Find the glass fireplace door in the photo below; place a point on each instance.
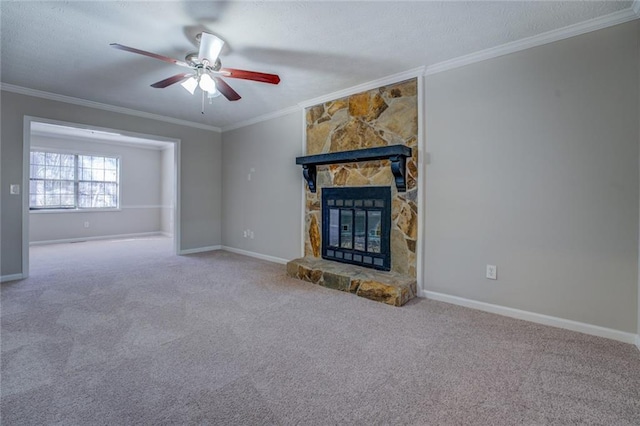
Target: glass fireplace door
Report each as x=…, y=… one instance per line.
x=356, y=226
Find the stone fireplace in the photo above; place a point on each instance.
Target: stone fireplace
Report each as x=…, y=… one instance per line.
x=379, y=120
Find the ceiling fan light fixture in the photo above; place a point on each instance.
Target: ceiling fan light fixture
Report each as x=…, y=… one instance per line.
x=214, y=94
x=190, y=84
x=207, y=84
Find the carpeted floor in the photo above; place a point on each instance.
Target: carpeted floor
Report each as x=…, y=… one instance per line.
x=124, y=332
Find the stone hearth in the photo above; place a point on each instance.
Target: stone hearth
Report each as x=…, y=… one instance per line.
x=391, y=288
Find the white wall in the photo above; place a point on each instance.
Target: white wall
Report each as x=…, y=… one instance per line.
x=534, y=168
x=167, y=191
x=270, y=203
x=200, y=174
x=140, y=195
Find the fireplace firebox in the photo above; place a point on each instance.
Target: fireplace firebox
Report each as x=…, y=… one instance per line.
x=356, y=223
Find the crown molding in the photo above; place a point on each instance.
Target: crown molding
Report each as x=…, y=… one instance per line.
x=394, y=78
x=106, y=107
x=620, y=17
x=261, y=118
x=595, y=24
x=416, y=72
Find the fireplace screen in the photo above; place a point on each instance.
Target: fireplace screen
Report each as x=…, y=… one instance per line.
x=355, y=225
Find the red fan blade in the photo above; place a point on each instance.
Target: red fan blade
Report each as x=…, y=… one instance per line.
x=171, y=80
x=149, y=54
x=251, y=75
x=226, y=90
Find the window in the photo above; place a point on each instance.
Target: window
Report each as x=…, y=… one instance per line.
x=72, y=181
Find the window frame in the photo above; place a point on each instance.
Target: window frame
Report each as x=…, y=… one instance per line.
x=77, y=154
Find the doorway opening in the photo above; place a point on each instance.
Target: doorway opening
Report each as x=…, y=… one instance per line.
x=84, y=183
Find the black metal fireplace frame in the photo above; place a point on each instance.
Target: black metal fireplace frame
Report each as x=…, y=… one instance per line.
x=358, y=196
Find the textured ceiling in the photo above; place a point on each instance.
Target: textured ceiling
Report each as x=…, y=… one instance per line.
x=316, y=47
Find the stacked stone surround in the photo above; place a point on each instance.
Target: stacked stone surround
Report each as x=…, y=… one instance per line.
x=384, y=116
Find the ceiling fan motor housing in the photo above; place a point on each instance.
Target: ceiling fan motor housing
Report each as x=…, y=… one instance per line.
x=192, y=60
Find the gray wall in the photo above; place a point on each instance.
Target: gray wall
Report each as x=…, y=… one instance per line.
x=534, y=168
x=200, y=175
x=140, y=195
x=270, y=203
x=167, y=191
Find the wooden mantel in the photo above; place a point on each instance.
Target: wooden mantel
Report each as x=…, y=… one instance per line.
x=396, y=154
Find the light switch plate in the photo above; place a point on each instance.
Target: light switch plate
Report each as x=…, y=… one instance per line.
x=14, y=189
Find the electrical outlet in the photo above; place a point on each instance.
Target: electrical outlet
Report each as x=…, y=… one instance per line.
x=244, y=233
x=86, y=224
x=492, y=272
x=251, y=234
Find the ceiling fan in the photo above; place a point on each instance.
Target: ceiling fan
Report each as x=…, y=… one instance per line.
x=206, y=70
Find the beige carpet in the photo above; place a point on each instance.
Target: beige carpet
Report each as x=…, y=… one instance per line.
x=124, y=332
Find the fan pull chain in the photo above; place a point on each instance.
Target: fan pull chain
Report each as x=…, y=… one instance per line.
x=202, y=102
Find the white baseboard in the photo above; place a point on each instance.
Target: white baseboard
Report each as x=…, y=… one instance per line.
x=13, y=277
x=199, y=250
x=581, y=327
x=96, y=238
x=256, y=255
x=638, y=341
x=167, y=234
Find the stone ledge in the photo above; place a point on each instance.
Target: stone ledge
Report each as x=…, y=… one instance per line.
x=391, y=288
